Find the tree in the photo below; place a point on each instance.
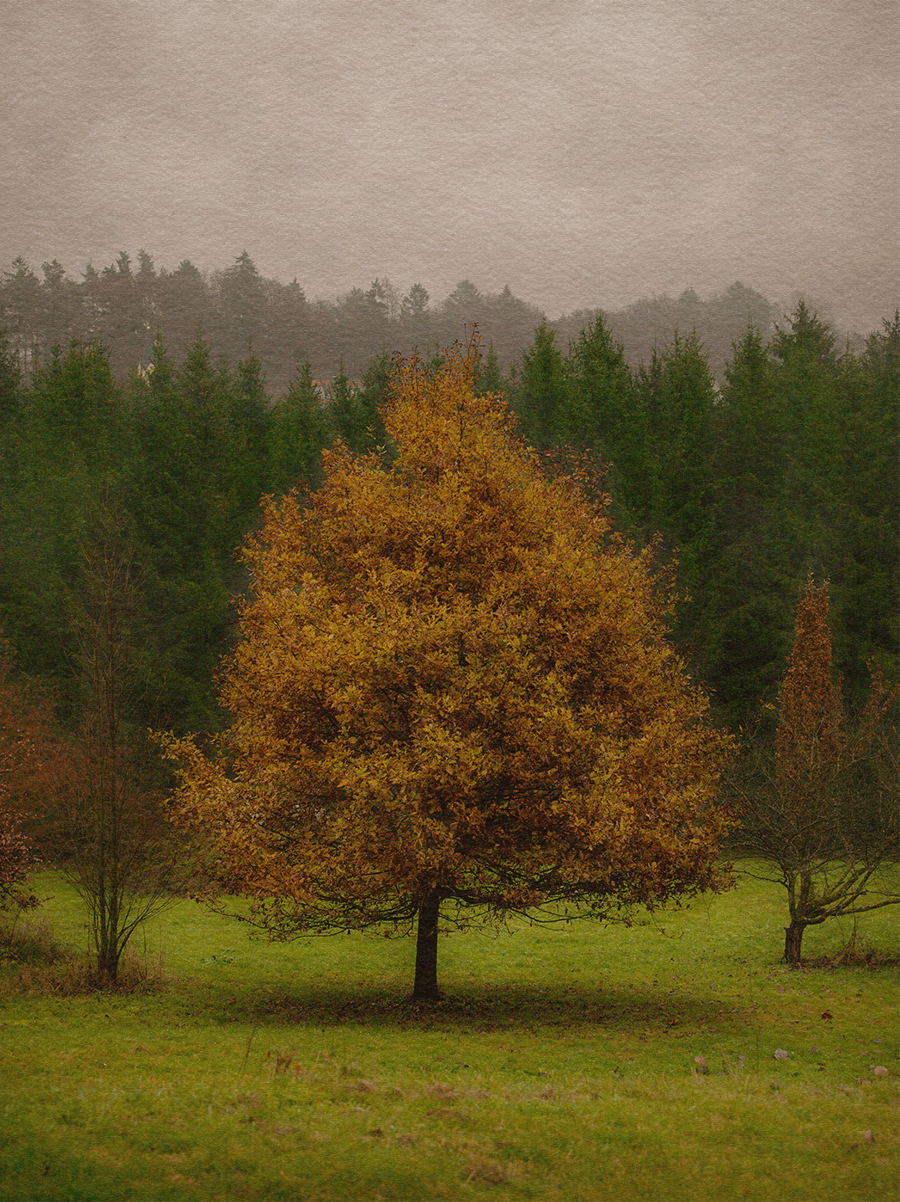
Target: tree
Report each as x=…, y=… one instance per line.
x=111, y=836
x=748, y=590
x=362, y=325
x=186, y=304
x=20, y=297
x=679, y=415
x=415, y=303
x=299, y=432
x=16, y=861
x=185, y=513
x=10, y=389
x=123, y=327
x=865, y=512
x=250, y=418
x=243, y=314
x=540, y=390
x=825, y=837
x=507, y=324
x=347, y=413
x=289, y=322
x=60, y=306
x=452, y=697
x=68, y=445
x=601, y=415
x=667, y=482
x=76, y=408
x=807, y=381
x=601, y=404
x=488, y=376
x=369, y=399
x=29, y=763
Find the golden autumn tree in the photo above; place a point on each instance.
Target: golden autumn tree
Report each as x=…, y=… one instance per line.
x=452, y=697
x=825, y=813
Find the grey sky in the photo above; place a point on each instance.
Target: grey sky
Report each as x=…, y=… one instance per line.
x=586, y=152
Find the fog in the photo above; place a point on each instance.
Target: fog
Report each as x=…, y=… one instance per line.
x=585, y=152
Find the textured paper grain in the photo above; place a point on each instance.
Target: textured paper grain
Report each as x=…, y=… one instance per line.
x=586, y=152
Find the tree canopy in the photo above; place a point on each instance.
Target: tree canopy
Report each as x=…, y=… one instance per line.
x=451, y=692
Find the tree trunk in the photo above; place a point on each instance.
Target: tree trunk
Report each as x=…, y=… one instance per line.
x=108, y=967
x=425, y=987
x=793, y=937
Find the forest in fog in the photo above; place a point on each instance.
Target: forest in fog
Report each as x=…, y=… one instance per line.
x=127, y=304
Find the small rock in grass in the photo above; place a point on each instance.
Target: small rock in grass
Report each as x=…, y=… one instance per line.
x=868, y=1137
x=879, y=1070
x=780, y=1054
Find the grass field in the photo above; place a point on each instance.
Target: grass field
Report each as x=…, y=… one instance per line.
x=561, y=1066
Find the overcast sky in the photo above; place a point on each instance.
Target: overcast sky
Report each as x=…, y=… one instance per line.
x=586, y=152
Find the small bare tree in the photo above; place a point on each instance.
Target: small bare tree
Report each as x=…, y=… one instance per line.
x=115, y=847
x=822, y=806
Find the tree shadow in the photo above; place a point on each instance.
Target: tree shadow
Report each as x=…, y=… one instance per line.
x=481, y=1008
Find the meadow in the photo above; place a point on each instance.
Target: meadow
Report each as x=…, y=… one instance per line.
x=675, y=1059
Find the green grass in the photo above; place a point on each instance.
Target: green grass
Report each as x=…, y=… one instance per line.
x=561, y=1066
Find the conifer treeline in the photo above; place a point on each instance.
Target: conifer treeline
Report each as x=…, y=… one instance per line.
x=125, y=306
x=786, y=466
x=789, y=467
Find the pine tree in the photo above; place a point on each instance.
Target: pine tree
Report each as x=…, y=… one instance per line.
x=865, y=511
x=300, y=431
x=250, y=419
x=746, y=602
x=601, y=405
x=539, y=391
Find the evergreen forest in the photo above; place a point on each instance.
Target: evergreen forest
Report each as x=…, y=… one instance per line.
x=153, y=409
